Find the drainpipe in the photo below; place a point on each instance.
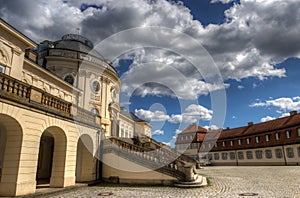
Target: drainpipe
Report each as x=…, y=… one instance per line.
x=236, y=158
x=284, y=155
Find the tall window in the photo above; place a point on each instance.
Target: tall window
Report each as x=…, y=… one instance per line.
x=267, y=137
x=240, y=142
x=216, y=144
x=258, y=154
x=277, y=136
x=257, y=139
x=249, y=155
x=298, y=151
x=290, y=152
x=241, y=155
x=298, y=131
x=231, y=142
x=248, y=140
x=288, y=134
x=216, y=156
x=223, y=143
x=268, y=154
x=278, y=153
x=224, y=156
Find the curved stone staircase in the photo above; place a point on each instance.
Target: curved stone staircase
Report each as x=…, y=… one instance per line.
x=165, y=161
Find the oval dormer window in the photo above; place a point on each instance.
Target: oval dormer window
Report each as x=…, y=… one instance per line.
x=96, y=86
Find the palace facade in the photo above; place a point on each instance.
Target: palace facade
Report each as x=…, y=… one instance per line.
x=61, y=123
x=276, y=142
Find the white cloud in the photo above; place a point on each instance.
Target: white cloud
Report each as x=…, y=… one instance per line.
x=240, y=87
x=178, y=131
x=212, y=127
x=285, y=104
x=285, y=115
x=191, y=114
x=156, y=116
x=255, y=37
x=267, y=118
x=158, y=132
x=221, y=1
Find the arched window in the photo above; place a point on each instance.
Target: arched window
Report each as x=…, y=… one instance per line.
x=69, y=79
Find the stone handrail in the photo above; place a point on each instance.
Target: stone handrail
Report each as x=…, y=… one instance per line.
x=18, y=91
x=153, y=159
x=12, y=88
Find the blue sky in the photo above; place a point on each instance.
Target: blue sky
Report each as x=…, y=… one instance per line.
x=252, y=45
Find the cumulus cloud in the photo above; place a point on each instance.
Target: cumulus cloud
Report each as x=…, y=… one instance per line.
x=240, y=87
x=191, y=114
x=267, y=118
x=158, y=132
x=221, y=1
x=285, y=104
x=156, y=116
x=212, y=127
x=255, y=36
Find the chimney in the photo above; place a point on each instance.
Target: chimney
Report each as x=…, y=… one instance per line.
x=250, y=123
x=293, y=113
x=227, y=128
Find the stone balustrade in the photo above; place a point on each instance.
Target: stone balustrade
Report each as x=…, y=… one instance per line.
x=14, y=90
x=159, y=159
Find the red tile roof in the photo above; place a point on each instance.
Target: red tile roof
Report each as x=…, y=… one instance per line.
x=272, y=125
x=194, y=128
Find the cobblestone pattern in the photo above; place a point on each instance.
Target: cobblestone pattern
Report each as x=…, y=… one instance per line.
x=269, y=182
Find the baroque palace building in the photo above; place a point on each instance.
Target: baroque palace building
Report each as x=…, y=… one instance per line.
x=275, y=142
x=61, y=123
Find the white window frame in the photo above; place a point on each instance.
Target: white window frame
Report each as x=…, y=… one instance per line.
x=223, y=144
x=231, y=142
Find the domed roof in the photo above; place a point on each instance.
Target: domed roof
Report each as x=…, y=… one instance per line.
x=79, y=43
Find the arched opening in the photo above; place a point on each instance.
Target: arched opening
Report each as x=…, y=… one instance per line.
x=11, y=136
x=45, y=158
x=52, y=158
x=85, y=160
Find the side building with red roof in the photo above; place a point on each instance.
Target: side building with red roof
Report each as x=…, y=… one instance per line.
x=275, y=142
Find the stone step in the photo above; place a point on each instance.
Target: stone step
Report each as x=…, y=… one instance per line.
x=200, y=182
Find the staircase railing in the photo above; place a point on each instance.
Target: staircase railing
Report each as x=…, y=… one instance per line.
x=159, y=160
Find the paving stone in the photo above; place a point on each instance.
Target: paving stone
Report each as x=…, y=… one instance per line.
x=275, y=181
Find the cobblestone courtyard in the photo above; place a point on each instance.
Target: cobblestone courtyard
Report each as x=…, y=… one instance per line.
x=225, y=182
